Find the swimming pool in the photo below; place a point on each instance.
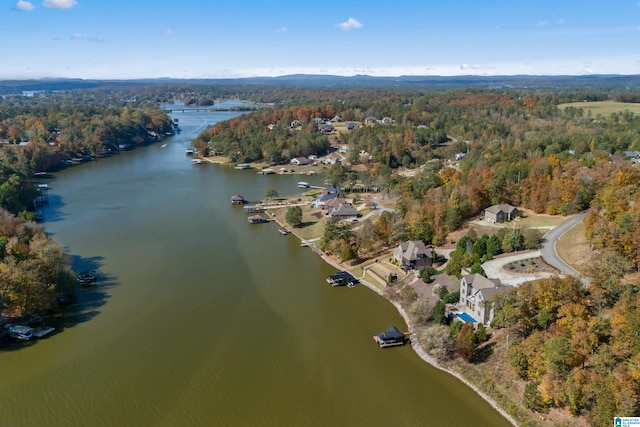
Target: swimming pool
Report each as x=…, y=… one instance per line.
x=466, y=318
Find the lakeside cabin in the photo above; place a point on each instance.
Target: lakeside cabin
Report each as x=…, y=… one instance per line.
x=391, y=338
x=342, y=278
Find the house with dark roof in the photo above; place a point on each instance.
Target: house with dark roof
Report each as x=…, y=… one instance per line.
x=390, y=338
x=413, y=255
x=475, y=294
x=370, y=120
x=318, y=121
x=295, y=124
x=326, y=128
x=500, y=213
x=352, y=126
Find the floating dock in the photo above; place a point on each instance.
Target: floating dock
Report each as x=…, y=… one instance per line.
x=39, y=333
x=254, y=209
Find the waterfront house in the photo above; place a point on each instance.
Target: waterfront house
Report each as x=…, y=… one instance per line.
x=352, y=126
x=327, y=194
x=336, y=119
x=344, y=211
x=318, y=121
x=386, y=120
x=370, y=120
x=300, y=161
x=475, y=294
x=331, y=204
x=238, y=200
x=413, y=255
x=500, y=213
x=295, y=124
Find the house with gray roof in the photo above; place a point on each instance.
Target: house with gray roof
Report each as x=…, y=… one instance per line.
x=413, y=255
x=344, y=211
x=500, y=213
x=476, y=292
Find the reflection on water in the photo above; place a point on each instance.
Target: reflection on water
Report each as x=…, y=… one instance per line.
x=200, y=319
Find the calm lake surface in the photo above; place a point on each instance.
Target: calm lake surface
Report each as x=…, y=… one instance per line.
x=201, y=319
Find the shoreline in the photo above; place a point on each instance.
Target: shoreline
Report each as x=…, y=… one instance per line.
x=412, y=328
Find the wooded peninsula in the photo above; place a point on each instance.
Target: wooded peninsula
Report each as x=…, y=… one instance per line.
x=568, y=354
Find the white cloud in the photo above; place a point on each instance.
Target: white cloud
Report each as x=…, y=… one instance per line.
x=24, y=5
x=542, y=23
x=469, y=67
x=59, y=4
x=168, y=32
x=79, y=36
x=560, y=21
x=350, y=24
x=281, y=30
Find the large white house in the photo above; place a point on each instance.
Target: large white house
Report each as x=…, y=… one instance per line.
x=475, y=292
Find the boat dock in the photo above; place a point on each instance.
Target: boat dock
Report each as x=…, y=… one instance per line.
x=391, y=338
x=256, y=219
x=254, y=209
x=39, y=333
x=342, y=278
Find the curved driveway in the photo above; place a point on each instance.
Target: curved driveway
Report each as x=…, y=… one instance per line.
x=548, y=246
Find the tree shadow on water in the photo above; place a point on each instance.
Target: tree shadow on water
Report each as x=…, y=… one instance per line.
x=83, y=305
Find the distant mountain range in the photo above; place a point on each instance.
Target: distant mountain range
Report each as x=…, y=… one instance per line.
x=601, y=81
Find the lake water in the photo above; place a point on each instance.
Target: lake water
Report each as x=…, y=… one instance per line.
x=199, y=318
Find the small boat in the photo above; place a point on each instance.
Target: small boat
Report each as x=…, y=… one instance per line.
x=87, y=277
x=163, y=145
x=189, y=151
x=283, y=231
x=20, y=332
x=196, y=161
x=303, y=184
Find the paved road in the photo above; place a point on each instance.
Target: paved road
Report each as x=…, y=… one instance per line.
x=548, y=246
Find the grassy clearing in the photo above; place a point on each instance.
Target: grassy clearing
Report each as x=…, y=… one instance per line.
x=540, y=221
x=573, y=248
x=605, y=108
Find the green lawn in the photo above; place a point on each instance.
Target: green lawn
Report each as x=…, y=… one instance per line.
x=540, y=221
x=605, y=108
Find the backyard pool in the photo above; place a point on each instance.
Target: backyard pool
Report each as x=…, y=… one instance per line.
x=466, y=318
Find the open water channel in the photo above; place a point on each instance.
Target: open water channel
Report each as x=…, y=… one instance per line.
x=199, y=318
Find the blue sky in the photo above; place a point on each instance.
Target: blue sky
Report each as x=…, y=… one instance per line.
x=119, y=39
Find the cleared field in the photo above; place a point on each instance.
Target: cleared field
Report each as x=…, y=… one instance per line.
x=573, y=248
x=605, y=108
